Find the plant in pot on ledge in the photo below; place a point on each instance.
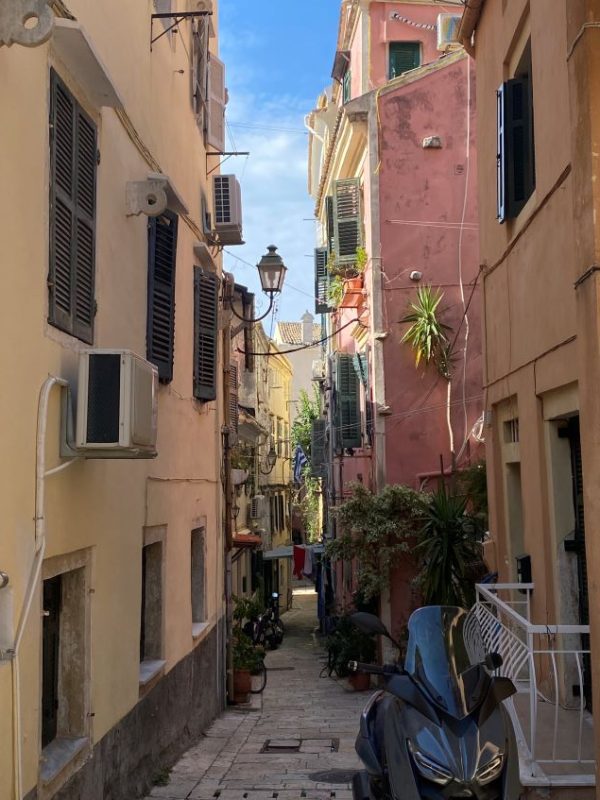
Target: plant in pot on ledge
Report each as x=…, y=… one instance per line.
x=247, y=659
x=346, y=644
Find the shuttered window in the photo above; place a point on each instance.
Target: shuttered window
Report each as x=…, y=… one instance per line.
x=73, y=160
x=321, y=281
x=233, y=398
x=403, y=57
x=318, y=450
x=162, y=256
x=516, y=154
x=329, y=224
x=347, y=220
x=206, y=303
x=348, y=416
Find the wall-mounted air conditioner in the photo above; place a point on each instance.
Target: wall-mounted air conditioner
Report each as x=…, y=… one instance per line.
x=227, y=216
x=318, y=370
x=117, y=405
x=447, y=32
x=257, y=506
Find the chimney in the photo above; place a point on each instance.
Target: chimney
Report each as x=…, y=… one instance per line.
x=307, y=328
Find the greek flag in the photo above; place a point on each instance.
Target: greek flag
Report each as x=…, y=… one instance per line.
x=299, y=462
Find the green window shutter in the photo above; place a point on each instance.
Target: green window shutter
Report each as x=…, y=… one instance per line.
x=318, y=448
x=347, y=220
x=519, y=161
x=321, y=281
x=403, y=57
x=206, y=304
x=348, y=402
x=162, y=257
x=73, y=164
x=329, y=221
x=347, y=87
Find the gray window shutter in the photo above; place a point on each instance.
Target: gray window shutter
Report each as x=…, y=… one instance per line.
x=318, y=448
x=348, y=403
x=206, y=304
x=73, y=160
x=347, y=220
x=162, y=257
x=199, y=71
x=321, y=281
x=518, y=144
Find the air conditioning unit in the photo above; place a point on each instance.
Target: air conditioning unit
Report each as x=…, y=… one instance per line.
x=117, y=405
x=318, y=370
x=447, y=32
x=227, y=217
x=257, y=506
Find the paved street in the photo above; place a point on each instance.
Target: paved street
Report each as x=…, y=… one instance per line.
x=316, y=715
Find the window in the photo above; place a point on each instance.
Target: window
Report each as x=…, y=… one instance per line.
x=403, y=56
x=281, y=514
x=162, y=255
x=516, y=154
x=206, y=304
x=198, y=576
x=151, y=623
x=347, y=220
x=347, y=87
x=348, y=427
x=73, y=163
x=280, y=441
x=200, y=35
x=65, y=657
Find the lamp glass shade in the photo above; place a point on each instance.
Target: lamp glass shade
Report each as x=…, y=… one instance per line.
x=271, y=270
x=271, y=457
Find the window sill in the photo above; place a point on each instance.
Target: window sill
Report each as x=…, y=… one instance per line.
x=149, y=670
x=59, y=754
x=199, y=628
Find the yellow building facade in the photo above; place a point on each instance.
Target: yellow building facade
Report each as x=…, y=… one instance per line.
x=112, y=612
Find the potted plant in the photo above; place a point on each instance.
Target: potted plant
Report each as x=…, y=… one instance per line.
x=352, y=293
x=246, y=660
x=346, y=644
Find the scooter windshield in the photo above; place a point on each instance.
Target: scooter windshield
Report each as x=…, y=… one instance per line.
x=444, y=655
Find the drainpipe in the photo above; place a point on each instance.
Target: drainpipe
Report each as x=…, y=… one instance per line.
x=468, y=23
x=40, y=546
x=227, y=491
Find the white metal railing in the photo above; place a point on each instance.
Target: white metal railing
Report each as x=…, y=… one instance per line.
x=547, y=663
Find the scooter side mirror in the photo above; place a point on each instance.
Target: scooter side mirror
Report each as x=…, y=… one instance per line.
x=369, y=623
x=493, y=661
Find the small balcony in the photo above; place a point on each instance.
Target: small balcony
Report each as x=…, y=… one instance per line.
x=549, y=665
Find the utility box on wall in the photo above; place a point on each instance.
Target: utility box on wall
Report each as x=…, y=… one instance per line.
x=117, y=405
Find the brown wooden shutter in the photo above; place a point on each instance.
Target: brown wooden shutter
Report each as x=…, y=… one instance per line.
x=73, y=160
x=206, y=303
x=162, y=257
x=233, y=397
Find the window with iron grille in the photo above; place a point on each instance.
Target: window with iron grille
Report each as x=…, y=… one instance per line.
x=73, y=164
x=162, y=257
x=206, y=306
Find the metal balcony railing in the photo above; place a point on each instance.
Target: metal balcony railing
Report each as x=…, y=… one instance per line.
x=550, y=666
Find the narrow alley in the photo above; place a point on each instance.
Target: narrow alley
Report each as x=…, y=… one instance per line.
x=297, y=742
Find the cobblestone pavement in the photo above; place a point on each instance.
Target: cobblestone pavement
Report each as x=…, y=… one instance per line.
x=297, y=707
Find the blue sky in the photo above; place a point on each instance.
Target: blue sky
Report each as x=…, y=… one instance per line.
x=278, y=58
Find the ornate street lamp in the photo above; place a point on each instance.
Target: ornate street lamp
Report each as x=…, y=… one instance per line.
x=271, y=271
x=270, y=460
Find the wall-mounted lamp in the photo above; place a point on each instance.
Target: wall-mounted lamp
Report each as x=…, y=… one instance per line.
x=270, y=460
x=271, y=271
x=235, y=511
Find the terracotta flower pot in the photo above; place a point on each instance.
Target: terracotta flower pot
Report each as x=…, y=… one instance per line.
x=353, y=293
x=242, y=683
x=360, y=681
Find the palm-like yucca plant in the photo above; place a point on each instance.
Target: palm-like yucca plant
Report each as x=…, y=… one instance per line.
x=426, y=334
x=450, y=542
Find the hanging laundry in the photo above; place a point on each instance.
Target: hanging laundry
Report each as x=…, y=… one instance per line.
x=299, y=558
x=308, y=562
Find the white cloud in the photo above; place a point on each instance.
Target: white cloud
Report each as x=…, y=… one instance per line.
x=275, y=199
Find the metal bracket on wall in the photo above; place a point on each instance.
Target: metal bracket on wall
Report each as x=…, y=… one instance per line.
x=228, y=153
x=178, y=16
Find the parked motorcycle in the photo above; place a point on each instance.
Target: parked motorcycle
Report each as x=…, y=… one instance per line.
x=438, y=730
x=267, y=628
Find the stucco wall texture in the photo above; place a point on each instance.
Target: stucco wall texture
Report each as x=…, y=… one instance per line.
x=104, y=506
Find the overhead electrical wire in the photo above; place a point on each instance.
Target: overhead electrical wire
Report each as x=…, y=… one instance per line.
x=304, y=346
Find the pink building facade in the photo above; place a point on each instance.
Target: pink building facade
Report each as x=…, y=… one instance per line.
x=396, y=136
